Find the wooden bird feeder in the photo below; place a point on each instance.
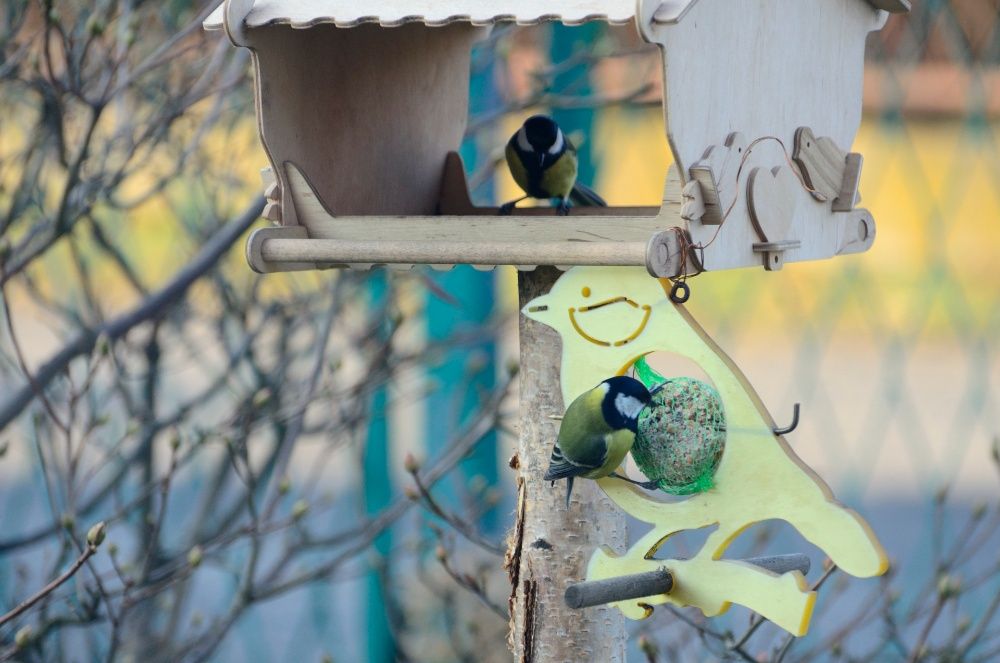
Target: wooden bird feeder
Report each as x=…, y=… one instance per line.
x=361, y=106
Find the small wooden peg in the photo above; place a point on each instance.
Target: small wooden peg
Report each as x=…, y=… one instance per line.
x=272, y=211
x=774, y=252
x=661, y=581
x=693, y=207
x=598, y=592
x=663, y=255
x=717, y=172
x=848, y=196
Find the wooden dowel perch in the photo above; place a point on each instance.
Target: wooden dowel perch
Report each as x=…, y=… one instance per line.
x=270, y=248
x=661, y=581
x=334, y=251
x=599, y=592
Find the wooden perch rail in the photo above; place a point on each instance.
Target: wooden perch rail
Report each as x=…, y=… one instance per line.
x=461, y=233
x=661, y=581
x=280, y=249
x=332, y=251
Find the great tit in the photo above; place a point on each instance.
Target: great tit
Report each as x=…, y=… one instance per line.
x=597, y=431
x=543, y=162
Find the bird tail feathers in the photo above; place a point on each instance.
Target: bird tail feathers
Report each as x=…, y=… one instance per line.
x=584, y=196
x=560, y=467
x=562, y=470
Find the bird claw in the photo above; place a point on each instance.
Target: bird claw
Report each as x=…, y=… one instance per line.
x=645, y=485
x=562, y=209
x=507, y=208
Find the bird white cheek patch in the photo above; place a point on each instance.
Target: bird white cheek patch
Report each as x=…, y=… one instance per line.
x=628, y=406
x=758, y=478
x=558, y=143
x=522, y=140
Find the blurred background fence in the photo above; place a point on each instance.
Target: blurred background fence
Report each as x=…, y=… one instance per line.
x=892, y=354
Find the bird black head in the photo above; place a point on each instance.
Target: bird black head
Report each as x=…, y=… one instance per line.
x=623, y=401
x=542, y=136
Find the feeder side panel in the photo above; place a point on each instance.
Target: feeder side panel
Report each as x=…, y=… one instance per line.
x=368, y=113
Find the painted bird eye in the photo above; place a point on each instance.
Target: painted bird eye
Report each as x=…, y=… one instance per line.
x=585, y=292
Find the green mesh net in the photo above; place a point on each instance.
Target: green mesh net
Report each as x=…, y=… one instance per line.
x=681, y=433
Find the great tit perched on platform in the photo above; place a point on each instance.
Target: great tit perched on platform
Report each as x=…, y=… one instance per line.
x=543, y=162
x=597, y=431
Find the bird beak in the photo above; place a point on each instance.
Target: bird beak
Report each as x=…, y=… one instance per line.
x=541, y=160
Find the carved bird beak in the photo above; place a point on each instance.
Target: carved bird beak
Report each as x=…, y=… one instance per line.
x=538, y=309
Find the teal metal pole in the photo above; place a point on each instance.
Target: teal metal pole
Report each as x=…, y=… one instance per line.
x=466, y=373
x=377, y=495
x=565, y=42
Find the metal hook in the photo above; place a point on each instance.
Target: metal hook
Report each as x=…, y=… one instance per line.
x=792, y=426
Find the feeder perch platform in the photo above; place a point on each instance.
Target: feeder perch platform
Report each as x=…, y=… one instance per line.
x=361, y=107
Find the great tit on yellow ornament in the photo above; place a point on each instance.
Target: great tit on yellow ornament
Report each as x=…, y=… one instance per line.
x=597, y=431
x=543, y=162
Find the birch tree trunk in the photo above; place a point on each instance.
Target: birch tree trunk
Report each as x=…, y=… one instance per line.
x=550, y=547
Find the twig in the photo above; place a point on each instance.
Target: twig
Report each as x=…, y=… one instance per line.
x=94, y=539
x=463, y=528
x=151, y=308
x=469, y=583
x=918, y=648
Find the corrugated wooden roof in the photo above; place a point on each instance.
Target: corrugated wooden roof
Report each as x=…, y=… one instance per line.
x=349, y=13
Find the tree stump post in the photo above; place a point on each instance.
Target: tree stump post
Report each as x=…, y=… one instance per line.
x=550, y=546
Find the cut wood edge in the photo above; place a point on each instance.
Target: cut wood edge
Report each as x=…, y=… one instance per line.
x=848, y=196
x=234, y=14
x=774, y=252
x=821, y=162
x=891, y=6
x=454, y=200
x=857, y=231
x=255, y=254
x=671, y=11
x=272, y=211
x=663, y=255
x=454, y=197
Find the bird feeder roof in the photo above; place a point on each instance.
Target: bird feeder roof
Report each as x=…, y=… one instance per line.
x=389, y=13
